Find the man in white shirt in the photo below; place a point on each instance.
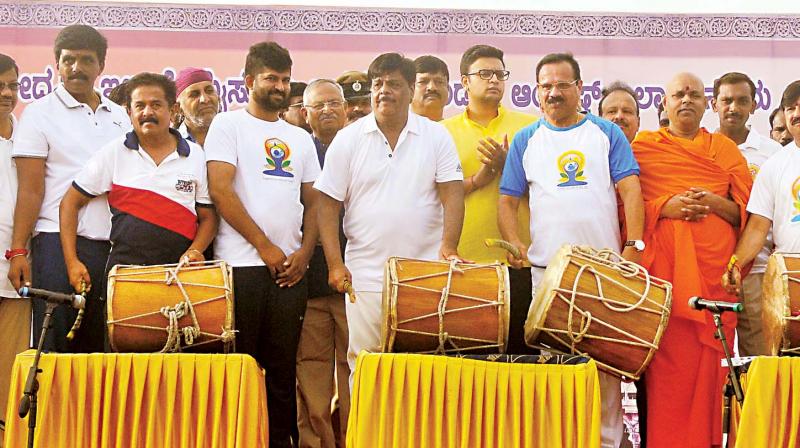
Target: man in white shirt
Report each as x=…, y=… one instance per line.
x=57, y=135
x=260, y=172
x=398, y=177
x=774, y=199
x=15, y=313
x=735, y=101
x=568, y=164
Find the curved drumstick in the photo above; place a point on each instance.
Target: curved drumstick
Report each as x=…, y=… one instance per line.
x=503, y=244
x=348, y=288
x=79, y=319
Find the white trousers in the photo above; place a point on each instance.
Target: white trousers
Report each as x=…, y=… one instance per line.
x=364, y=324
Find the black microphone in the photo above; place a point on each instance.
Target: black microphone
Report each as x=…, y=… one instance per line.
x=76, y=301
x=714, y=306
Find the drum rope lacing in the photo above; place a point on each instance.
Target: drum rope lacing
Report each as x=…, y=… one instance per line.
x=443, y=336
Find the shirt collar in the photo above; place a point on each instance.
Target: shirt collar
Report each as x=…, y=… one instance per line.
x=132, y=142
x=13, y=129
x=412, y=125
x=71, y=102
x=184, y=131
x=501, y=112
x=753, y=139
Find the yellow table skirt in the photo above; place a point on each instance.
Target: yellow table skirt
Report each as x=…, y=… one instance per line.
x=142, y=400
x=770, y=416
x=411, y=400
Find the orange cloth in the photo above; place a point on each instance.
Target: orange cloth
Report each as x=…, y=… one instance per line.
x=684, y=380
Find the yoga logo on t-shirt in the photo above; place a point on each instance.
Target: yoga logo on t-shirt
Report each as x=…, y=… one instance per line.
x=570, y=165
x=278, y=158
x=753, y=169
x=796, y=199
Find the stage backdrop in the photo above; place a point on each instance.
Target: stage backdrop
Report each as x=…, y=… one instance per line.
x=642, y=50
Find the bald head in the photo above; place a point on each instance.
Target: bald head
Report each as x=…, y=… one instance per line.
x=685, y=104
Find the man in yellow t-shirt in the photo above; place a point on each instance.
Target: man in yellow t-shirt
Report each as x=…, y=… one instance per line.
x=481, y=135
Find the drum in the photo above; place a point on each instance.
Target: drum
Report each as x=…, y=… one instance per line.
x=444, y=307
x=171, y=307
x=596, y=304
x=780, y=311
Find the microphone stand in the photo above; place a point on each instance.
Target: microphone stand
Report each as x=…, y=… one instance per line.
x=29, y=403
x=734, y=386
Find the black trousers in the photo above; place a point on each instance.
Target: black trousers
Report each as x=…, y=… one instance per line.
x=268, y=321
x=521, y=287
x=50, y=272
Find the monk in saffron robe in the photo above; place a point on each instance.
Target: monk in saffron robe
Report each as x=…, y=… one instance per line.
x=695, y=186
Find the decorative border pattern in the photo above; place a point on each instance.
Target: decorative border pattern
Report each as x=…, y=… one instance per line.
x=395, y=21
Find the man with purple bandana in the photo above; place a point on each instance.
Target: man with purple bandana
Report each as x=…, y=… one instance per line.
x=199, y=103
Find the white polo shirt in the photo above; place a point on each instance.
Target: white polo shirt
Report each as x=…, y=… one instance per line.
x=68, y=133
x=391, y=203
x=8, y=198
x=272, y=160
x=757, y=149
x=776, y=196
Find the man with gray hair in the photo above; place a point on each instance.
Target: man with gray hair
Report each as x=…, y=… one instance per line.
x=199, y=103
x=323, y=339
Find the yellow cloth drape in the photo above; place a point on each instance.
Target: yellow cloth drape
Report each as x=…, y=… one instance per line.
x=142, y=400
x=412, y=400
x=770, y=416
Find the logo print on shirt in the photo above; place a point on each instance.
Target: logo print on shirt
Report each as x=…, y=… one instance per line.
x=571, y=165
x=185, y=186
x=753, y=169
x=278, y=158
x=796, y=199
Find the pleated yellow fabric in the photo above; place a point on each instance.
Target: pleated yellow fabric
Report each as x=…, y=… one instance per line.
x=125, y=400
x=770, y=416
x=412, y=400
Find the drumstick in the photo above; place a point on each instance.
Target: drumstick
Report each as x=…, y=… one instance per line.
x=502, y=244
x=348, y=288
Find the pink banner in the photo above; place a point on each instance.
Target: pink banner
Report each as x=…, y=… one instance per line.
x=642, y=50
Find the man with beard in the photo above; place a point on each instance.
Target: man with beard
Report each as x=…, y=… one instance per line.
x=323, y=340
x=481, y=135
x=430, y=89
x=156, y=185
x=568, y=164
x=695, y=186
x=735, y=101
x=778, y=129
x=356, y=93
x=57, y=135
x=293, y=114
x=399, y=176
x=260, y=172
x=199, y=103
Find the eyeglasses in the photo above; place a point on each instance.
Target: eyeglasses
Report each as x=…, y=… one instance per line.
x=561, y=86
x=296, y=105
x=487, y=74
x=332, y=104
x=13, y=86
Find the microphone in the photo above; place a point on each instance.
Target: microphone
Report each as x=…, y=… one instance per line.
x=76, y=301
x=714, y=306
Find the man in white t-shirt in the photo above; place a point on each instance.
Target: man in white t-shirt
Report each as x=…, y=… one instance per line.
x=15, y=313
x=568, y=164
x=57, y=134
x=398, y=176
x=774, y=201
x=260, y=172
x=735, y=101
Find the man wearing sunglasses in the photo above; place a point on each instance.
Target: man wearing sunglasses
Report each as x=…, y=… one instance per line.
x=568, y=164
x=481, y=134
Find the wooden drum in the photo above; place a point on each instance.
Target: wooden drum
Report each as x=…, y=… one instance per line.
x=171, y=307
x=594, y=303
x=442, y=307
x=780, y=310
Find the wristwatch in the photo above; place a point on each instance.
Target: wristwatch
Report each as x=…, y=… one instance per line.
x=636, y=244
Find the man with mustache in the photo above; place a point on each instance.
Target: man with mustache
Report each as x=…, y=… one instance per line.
x=481, y=134
x=399, y=176
x=695, y=186
x=156, y=185
x=260, y=173
x=778, y=129
x=57, y=135
x=323, y=340
x=356, y=93
x=199, y=103
x=568, y=165
x=430, y=89
x=618, y=105
x=735, y=101
x=293, y=114
x=14, y=312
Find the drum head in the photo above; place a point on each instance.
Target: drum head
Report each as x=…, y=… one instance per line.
x=545, y=292
x=775, y=290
